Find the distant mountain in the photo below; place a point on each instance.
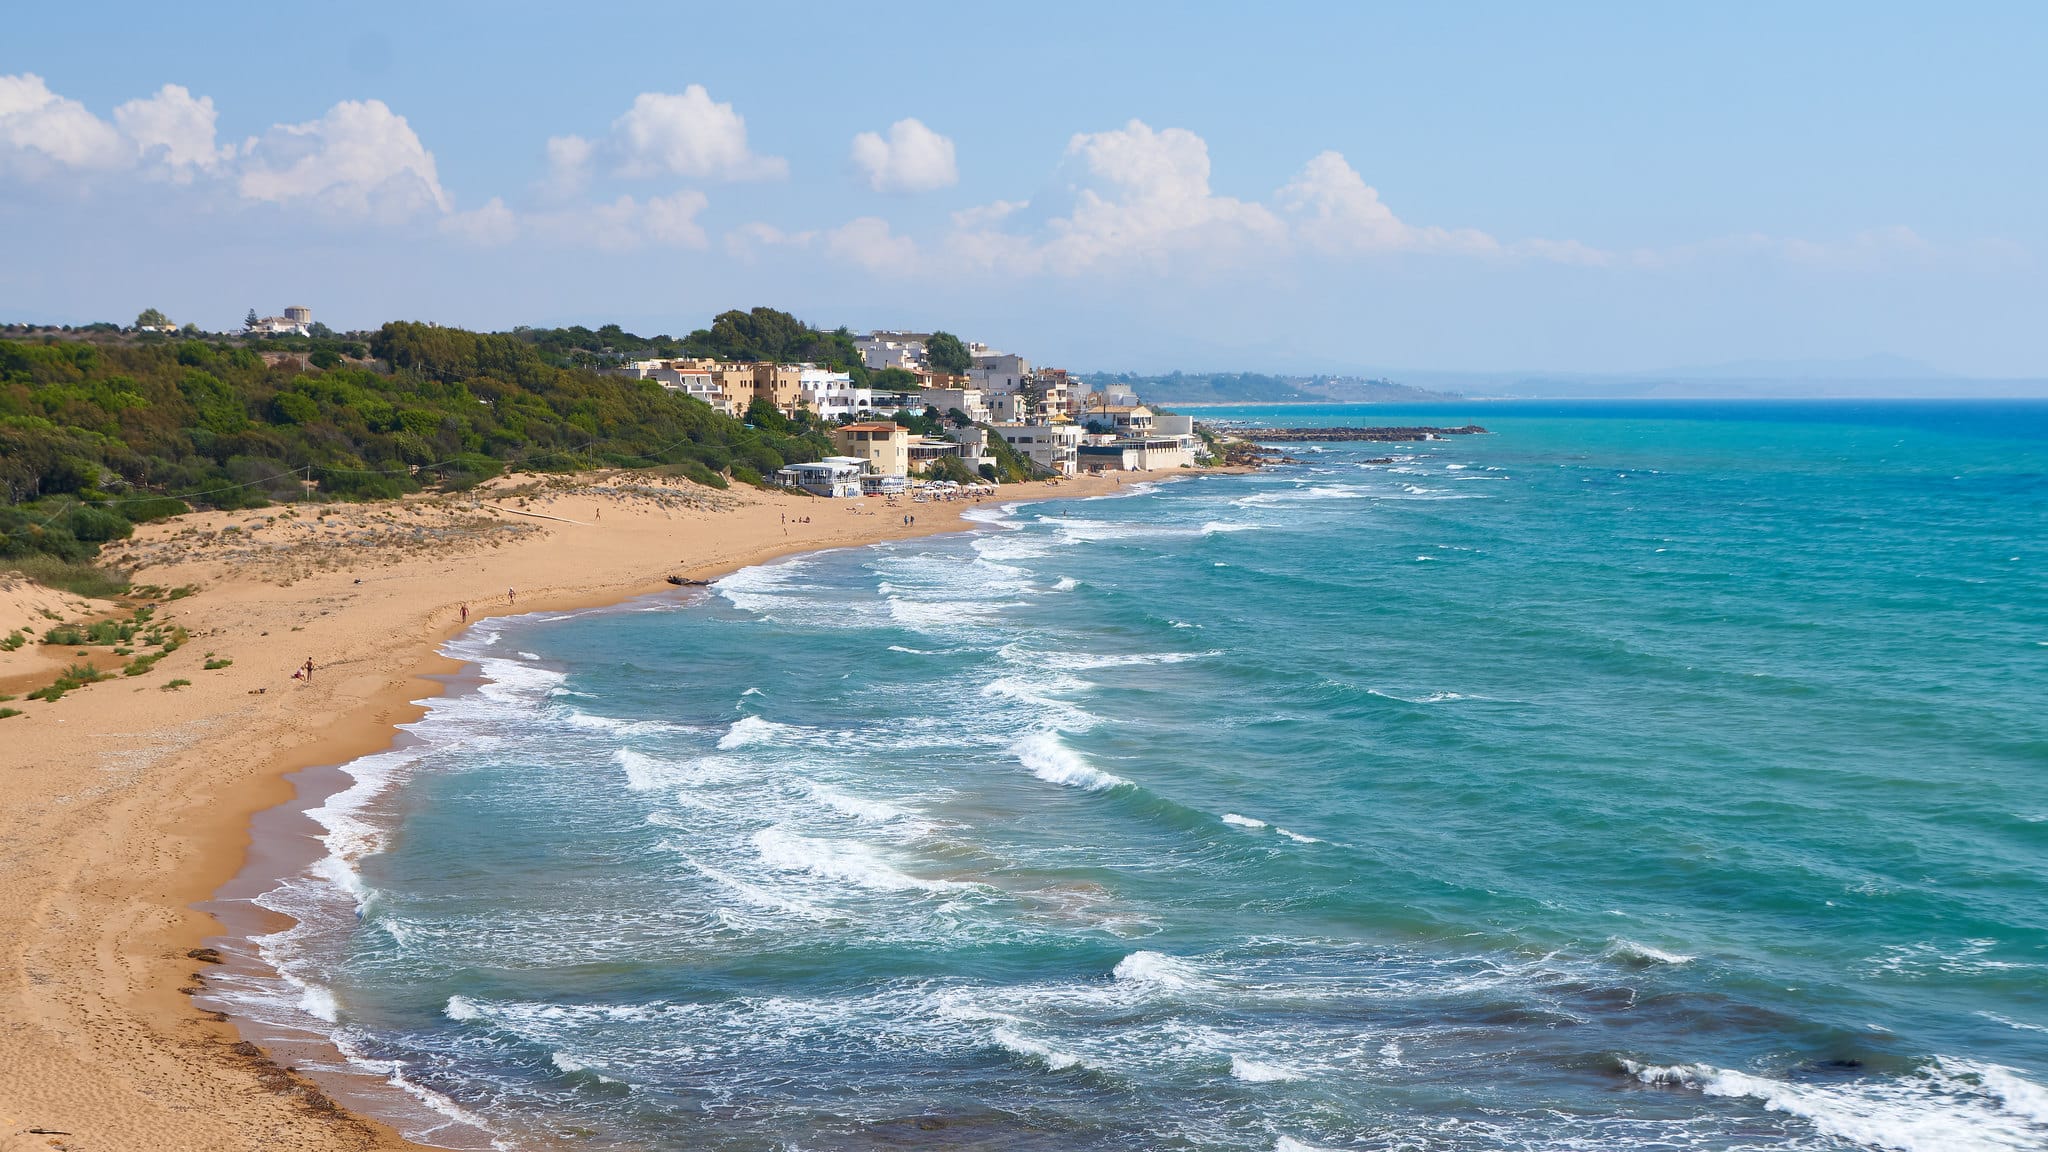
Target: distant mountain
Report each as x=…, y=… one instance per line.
x=1257, y=388
x=1875, y=367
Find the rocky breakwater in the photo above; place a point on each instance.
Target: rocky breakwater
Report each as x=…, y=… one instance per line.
x=1376, y=435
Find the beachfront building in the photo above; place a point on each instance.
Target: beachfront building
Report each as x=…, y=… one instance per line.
x=1135, y=454
x=1051, y=446
x=885, y=446
x=973, y=442
x=833, y=477
x=1131, y=420
x=924, y=451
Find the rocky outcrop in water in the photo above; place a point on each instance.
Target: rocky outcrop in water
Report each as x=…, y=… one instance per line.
x=1377, y=435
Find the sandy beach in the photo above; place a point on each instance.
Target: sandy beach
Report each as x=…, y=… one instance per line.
x=127, y=802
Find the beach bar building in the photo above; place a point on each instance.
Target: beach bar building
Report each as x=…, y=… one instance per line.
x=833, y=477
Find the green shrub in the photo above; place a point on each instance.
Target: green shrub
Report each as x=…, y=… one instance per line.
x=175, y=684
x=7, y=712
x=217, y=665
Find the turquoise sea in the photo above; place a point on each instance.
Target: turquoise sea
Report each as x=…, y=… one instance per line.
x=1635, y=776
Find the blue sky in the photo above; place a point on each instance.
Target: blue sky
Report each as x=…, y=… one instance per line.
x=1291, y=186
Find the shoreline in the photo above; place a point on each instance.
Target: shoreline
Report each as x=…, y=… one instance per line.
x=115, y=874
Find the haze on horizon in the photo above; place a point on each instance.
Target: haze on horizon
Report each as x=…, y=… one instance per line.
x=1597, y=189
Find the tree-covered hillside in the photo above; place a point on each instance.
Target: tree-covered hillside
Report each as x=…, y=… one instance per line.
x=97, y=436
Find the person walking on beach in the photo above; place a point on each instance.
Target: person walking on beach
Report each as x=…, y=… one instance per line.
x=511, y=596
x=465, y=613
x=308, y=669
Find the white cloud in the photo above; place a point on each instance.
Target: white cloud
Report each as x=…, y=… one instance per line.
x=489, y=226
x=1143, y=196
x=169, y=134
x=869, y=242
x=1332, y=208
x=983, y=215
x=913, y=158
x=672, y=221
x=746, y=241
x=41, y=131
x=568, y=165
x=621, y=225
x=173, y=132
x=686, y=134
x=360, y=158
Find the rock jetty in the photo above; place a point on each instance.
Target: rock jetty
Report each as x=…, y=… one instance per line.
x=1377, y=435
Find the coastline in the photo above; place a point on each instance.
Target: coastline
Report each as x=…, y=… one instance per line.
x=134, y=806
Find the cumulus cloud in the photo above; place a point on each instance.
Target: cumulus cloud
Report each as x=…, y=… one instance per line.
x=361, y=158
x=1138, y=196
x=912, y=158
x=170, y=134
x=1332, y=208
x=173, y=132
x=687, y=134
x=42, y=130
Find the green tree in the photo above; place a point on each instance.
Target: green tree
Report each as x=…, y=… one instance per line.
x=894, y=380
x=151, y=318
x=945, y=353
x=251, y=320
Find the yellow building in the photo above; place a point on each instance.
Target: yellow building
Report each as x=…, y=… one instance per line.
x=886, y=447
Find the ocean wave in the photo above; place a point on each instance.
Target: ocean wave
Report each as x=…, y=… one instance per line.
x=1066, y=584
x=1051, y=1057
x=645, y=773
x=1221, y=527
x=1054, y=762
x=846, y=861
x=1947, y=1106
x=1257, y=1072
x=1632, y=952
x=750, y=730
x=1297, y=837
x=1242, y=821
x=1157, y=970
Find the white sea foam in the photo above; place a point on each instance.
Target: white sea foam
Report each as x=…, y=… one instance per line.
x=750, y=730
x=1290, y=1144
x=1630, y=951
x=858, y=807
x=1159, y=971
x=1052, y=1058
x=1066, y=584
x=1054, y=762
x=1084, y=661
x=845, y=861
x=1220, y=527
x=1297, y=837
x=645, y=773
x=1242, y=821
x=1255, y=1072
x=1948, y=1106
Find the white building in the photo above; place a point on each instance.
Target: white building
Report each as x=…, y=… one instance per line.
x=995, y=372
x=879, y=350
x=689, y=377
x=1137, y=454
x=1053, y=447
x=832, y=477
x=833, y=395
x=970, y=402
x=296, y=321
